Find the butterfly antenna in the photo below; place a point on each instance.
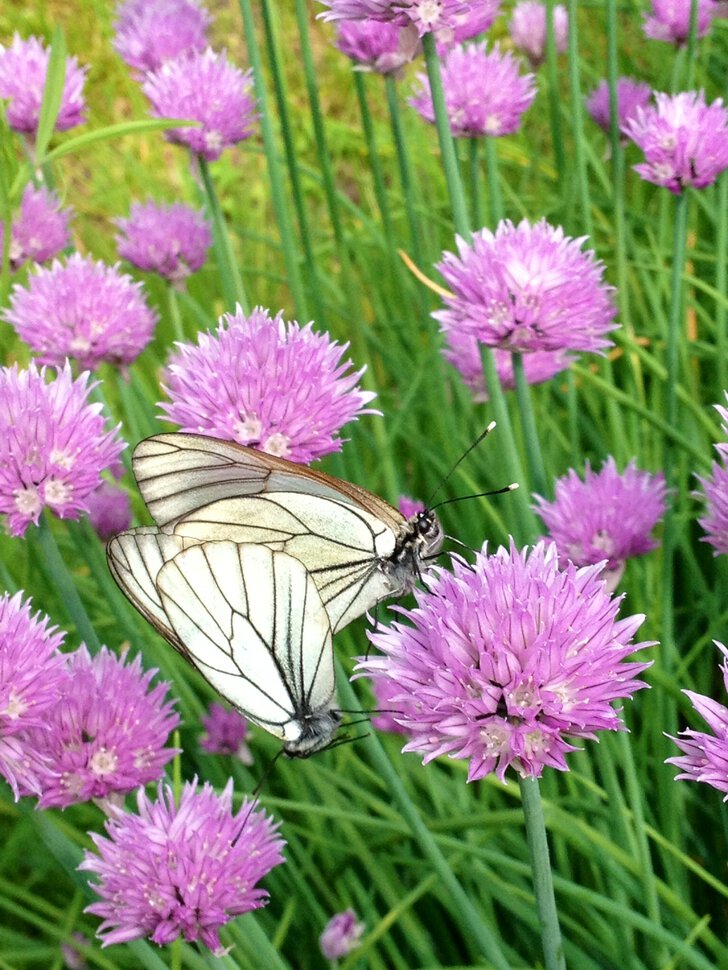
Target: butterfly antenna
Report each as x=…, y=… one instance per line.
x=483, y=434
x=461, y=498
x=255, y=795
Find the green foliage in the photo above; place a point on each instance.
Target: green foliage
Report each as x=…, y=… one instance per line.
x=311, y=216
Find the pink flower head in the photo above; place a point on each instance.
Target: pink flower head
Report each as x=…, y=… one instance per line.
x=40, y=229
x=373, y=46
x=485, y=92
x=685, y=141
x=207, y=88
x=106, y=735
x=475, y=21
x=705, y=756
x=670, y=19
x=109, y=510
x=265, y=383
x=225, y=733
x=505, y=662
x=715, y=492
x=56, y=459
x=529, y=32
x=181, y=870
x=150, y=32
x=32, y=673
x=526, y=288
x=426, y=16
x=171, y=240
x=464, y=353
x=23, y=69
x=341, y=935
x=606, y=516
x=631, y=95
x=387, y=710
x=81, y=309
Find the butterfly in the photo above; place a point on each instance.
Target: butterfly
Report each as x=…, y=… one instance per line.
x=254, y=563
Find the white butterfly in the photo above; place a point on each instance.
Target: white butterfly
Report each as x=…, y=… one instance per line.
x=255, y=562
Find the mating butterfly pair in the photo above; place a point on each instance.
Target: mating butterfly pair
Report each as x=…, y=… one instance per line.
x=254, y=563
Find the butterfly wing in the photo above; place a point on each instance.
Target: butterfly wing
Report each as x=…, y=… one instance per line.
x=211, y=490
x=253, y=624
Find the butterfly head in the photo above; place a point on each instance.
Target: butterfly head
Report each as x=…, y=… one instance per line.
x=315, y=731
x=427, y=533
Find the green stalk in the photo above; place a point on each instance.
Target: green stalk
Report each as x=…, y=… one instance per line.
x=380, y=190
x=405, y=170
x=481, y=934
x=476, y=175
x=553, y=948
x=552, y=72
x=444, y=136
x=532, y=443
x=174, y=313
x=496, y=197
x=294, y=175
x=577, y=114
x=721, y=281
x=671, y=415
x=59, y=575
x=278, y=195
x=232, y=283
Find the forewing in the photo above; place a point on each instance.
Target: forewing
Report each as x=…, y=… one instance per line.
x=179, y=474
x=135, y=559
x=253, y=623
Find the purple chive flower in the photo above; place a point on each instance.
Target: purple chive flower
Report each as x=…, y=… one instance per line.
x=265, y=383
x=670, y=20
x=171, y=240
x=109, y=510
x=106, y=735
x=373, y=46
x=528, y=30
x=526, y=288
x=54, y=461
x=150, y=32
x=426, y=16
x=504, y=663
x=606, y=516
x=181, y=870
x=463, y=352
x=470, y=23
x=388, y=710
x=40, y=229
x=631, y=95
x=225, y=733
x=715, y=492
x=705, y=756
x=32, y=673
x=23, y=69
x=685, y=141
x=81, y=309
x=485, y=92
x=207, y=88
x=341, y=935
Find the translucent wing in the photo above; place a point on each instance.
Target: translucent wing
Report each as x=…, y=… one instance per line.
x=179, y=474
x=211, y=490
x=253, y=623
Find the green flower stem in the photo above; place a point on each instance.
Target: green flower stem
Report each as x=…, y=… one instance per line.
x=174, y=313
x=287, y=128
x=444, y=136
x=278, y=195
x=721, y=281
x=476, y=176
x=552, y=72
x=59, y=575
x=528, y=525
x=672, y=363
x=380, y=190
x=553, y=949
x=577, y=115
x=232, y=283
x=528, y=425
x=496, y=198
x=481, y=934
x=405, y=170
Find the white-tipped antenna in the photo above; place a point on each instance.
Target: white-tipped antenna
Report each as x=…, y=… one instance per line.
x=481, y=436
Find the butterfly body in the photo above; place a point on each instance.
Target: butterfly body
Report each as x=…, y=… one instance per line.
x=253, y=564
